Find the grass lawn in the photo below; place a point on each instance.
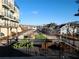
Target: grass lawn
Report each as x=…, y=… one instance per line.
x=40, y=36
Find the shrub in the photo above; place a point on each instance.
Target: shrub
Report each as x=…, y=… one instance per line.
x=23, y=43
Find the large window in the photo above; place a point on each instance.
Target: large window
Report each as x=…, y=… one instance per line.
x=7, y=13
x=10, y=14
x=5, y=10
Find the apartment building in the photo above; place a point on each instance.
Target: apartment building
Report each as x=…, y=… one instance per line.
x=9, y=17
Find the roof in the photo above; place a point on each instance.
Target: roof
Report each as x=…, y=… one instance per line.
x=75, y=23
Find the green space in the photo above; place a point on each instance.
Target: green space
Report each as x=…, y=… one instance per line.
x=40, y=36
x=26, y=43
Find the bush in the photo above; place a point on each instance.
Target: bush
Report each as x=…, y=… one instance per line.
x=23, y=43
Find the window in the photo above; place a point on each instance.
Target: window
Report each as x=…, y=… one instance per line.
x=9, y=23
x=5, y=11
x=2, y=22
x=8, y=13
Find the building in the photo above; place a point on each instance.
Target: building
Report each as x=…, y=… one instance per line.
x=9, y=17
x=69, y=34
x=70, y=28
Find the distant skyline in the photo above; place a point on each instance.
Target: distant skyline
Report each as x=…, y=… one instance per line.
x=38, y=12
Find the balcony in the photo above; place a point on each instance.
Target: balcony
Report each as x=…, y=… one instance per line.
x=12, y=25
x=9, y=6
x=8, y=25
x=3, y=25
x=7, y=18
x=15, y=20
x=6, y=5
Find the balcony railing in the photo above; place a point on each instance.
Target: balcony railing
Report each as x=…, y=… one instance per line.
x=6, y=5
x=8, y=25
x=3, y=25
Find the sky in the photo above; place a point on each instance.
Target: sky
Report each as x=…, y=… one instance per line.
x=39, y=12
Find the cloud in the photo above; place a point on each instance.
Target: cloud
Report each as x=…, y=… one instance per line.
x=35, y=12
